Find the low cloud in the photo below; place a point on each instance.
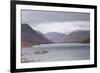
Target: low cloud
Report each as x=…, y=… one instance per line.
x=62, y=27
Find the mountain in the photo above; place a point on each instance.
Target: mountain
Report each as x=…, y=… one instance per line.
x=55, y=36
x=86, y=40
x=31, y=37
x=79, y=36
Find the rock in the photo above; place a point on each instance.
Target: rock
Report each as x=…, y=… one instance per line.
x=40, y=52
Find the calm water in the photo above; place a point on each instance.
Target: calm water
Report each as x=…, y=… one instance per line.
x=56, y=52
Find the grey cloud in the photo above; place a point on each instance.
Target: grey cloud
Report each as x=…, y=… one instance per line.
x=34, y=17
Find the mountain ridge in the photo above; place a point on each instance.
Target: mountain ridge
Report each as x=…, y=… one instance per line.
x=31, y=37
x=78, y=36
x=55, y=36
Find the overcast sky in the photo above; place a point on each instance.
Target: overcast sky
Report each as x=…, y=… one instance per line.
x=52, y=21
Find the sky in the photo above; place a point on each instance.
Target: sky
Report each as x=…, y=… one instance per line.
x=56, y=21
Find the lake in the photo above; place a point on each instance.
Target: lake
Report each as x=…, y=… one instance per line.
x=56, y=52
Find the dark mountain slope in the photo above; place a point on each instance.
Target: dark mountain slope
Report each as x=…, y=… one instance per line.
x=78, y=37
x=31, y=37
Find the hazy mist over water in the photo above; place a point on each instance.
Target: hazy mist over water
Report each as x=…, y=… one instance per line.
x=68, y=53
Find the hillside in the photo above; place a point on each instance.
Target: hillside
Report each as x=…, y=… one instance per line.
x=31, y=37
x=77, y=37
